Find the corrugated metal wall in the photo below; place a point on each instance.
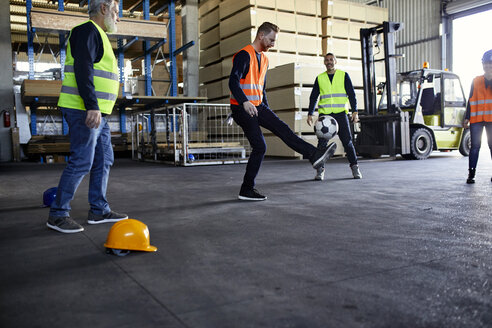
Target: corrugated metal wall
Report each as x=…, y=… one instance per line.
x=419, y=40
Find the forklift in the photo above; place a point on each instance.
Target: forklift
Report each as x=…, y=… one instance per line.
x=418, y=111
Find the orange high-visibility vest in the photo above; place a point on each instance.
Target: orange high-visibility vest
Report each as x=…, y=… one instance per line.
x=254, y=82
x=480, y=102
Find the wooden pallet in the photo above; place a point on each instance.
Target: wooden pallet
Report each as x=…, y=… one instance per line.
x=198, y=145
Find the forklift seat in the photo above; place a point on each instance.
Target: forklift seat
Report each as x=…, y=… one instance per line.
x=427, y=101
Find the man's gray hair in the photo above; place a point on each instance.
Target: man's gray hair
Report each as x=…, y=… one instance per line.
x=95, y=5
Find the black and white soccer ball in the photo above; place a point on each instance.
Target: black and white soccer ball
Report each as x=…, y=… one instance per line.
x=326, y=127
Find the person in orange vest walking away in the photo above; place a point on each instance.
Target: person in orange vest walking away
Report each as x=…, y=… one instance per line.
x=479, y=113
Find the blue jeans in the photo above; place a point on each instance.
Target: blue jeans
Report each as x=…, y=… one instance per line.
x=345, y=137
x=251, y=127
x=476, y=130
x=90, y=151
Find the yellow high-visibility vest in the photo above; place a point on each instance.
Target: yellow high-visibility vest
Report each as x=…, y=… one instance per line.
x=333, y=96
x=106, y=79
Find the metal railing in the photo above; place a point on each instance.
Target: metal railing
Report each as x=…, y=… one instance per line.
x=188, y=134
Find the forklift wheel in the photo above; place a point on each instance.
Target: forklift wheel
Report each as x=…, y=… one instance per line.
x=421, y=144
x=465, y=144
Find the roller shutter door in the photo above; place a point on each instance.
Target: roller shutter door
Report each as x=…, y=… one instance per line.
x=459, y=8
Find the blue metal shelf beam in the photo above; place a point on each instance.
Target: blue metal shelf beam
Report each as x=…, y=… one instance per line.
x=30, y=40
x=127, y=45
x=183, y=48
x=160, y=10
x=147, y=58
x=151, y=49
x=61, y=37
x=122, y=48
x=172, y=48
x=121, y=66
x=136, y=6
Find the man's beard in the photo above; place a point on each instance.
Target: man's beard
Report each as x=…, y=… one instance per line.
x=109, y=23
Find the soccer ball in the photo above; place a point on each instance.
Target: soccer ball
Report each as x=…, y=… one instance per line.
x=326, y=127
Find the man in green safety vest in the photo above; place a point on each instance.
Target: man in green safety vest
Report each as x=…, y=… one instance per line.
x=335, y=90
x=88, y=94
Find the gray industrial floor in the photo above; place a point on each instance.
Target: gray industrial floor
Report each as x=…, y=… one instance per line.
x=409, y=245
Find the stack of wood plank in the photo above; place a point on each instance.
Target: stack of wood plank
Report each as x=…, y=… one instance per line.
x=41, y=90
x=63, y=21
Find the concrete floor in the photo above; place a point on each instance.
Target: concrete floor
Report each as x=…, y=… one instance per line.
x=408, y=246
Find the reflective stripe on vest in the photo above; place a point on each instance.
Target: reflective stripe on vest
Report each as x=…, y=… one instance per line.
x=253, y=83
x=106, y=79
x=97, y=72
x=333, y=96
x=480, y=102
x=99, y=94
x=250, y=98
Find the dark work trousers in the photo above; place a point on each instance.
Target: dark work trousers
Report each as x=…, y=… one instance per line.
x=251, y=127
x=345, y=137
x=476, y=130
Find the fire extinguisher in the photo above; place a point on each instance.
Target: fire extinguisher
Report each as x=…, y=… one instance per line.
x=6, y=118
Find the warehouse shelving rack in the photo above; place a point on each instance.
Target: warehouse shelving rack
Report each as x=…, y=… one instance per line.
x=148, y=49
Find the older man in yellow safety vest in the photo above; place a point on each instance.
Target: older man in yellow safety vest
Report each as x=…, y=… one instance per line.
x=88, y=94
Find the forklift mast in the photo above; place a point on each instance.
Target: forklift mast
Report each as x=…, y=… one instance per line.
x=381, y=133
x=367, y=37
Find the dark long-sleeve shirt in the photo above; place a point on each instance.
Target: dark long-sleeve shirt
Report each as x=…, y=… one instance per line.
x=488, y=84
x=349, y=89
x=240, y=68
x=86, y=48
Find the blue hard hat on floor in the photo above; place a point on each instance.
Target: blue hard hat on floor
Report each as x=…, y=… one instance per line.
x=487, y=56
x=49, y=196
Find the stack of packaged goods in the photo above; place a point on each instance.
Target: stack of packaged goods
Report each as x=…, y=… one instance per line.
x=308, y=30
x=210, y=74
x=341, y=24
x=299, y=40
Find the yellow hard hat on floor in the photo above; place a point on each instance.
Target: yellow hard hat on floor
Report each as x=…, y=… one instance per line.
x=129, y=235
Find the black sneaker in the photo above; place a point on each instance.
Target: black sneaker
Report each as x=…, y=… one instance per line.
x=105, y=218
x=250, y=194
x=64, y=224
x=321, y=156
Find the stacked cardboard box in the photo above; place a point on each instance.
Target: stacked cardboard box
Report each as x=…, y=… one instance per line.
x=298, y=41
x=292, y=84
x=210, y=74
x=341, y=24
x=309, y=29
x=160, y=79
